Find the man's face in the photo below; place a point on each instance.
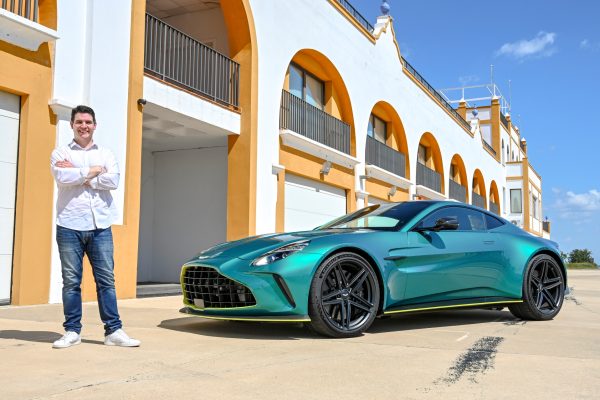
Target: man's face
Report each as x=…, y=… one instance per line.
x=83, y=126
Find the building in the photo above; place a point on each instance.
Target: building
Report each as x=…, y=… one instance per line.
x=227, y=124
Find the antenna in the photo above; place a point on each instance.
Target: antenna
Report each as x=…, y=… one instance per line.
x=509, y=96
x=492, y=79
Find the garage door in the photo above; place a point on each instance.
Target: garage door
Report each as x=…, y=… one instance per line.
x=309, y=204
x=9, y=137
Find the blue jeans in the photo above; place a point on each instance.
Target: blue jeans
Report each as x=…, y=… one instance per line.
x=98, y=245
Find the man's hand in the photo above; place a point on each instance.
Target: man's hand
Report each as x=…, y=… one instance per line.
x=94, y=172
x=64, y=164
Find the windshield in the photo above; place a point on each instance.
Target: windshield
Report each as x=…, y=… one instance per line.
x=386, y=216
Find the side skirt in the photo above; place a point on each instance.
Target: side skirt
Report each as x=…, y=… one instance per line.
x=465, y=303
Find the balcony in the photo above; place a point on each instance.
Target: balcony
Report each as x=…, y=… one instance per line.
x=435, y=94
x=356, y=15
x=489, y=147
x=478, y=200
x=176, y=58
x=495, y=208
x=429, y=178
x=26, y=9
x=385, y=157
x=19, y=24
x=457, y=191
x=298, y=116
x=503, y=120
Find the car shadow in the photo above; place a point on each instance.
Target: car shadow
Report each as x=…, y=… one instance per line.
x=297, y=331
x=39, y=336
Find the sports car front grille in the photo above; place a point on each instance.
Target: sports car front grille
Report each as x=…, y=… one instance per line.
x=206, y=288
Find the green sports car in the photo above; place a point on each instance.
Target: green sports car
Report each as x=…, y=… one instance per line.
x=380, y=260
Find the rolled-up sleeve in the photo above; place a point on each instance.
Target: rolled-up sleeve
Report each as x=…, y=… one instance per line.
x=108, y=180
x=66, y=176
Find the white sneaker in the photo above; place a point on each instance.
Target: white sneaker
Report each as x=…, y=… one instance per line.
x=120, y=338
x=69, y=339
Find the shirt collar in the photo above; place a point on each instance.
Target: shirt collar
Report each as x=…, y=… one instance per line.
x=74, y=146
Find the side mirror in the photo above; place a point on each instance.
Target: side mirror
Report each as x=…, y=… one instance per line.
x=442, y=224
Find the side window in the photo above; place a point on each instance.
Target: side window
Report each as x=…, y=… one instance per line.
x=476, y=220
x=466, y=220
x=492, y=222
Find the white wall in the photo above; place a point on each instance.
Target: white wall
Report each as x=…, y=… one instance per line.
x=204, y=26
x=183, y=209
x=92, y=68
x=371, y=72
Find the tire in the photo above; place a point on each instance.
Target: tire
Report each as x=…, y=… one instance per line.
x=344, y=296
x=543, y=290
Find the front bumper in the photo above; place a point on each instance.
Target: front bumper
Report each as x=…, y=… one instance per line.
x=279, y=290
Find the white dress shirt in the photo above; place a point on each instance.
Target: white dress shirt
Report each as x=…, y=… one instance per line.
x=79, y=206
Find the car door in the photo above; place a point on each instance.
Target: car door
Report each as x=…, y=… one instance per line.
x=451, y=264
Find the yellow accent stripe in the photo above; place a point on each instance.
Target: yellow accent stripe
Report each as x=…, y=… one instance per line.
x=452, y=306
x=250, y=320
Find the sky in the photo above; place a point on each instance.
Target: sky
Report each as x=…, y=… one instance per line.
x=550, y=52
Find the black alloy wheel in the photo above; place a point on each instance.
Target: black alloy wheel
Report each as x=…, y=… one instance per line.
x=344, y=296
x=543, y=290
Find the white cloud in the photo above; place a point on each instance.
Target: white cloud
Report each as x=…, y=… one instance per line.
x=585, y=44
x=577, y=207
x=541, y=46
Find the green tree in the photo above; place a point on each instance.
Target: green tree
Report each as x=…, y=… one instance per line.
x=581, y=256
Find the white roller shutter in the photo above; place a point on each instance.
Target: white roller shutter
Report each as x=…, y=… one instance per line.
x=309, y=203
x=9, y=137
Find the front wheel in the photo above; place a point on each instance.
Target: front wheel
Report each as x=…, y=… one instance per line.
x=543, y=290
x=344, y=296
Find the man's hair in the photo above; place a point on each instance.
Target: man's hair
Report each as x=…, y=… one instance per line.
x=83, y=110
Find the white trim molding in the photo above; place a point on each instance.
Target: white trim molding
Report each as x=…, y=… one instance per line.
x=312, y=147
x=23, y=32
x=61, y=108
x=429, y=193
x=373, y=171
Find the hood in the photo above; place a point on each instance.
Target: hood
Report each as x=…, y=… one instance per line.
x=255, y=246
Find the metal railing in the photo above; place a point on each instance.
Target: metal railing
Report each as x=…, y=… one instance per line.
x=488, y=146
x=175, y=57
x=457, y=191
x=503, y=120
x=385, y=157
x=478, y=200
x=429, y=178
x=435, y=94
x=307, y=120
x=357, y=16
x=24, y=8
x=495, y=208
x=546, y=226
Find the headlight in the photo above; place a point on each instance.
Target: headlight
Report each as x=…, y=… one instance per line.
x=280, y=253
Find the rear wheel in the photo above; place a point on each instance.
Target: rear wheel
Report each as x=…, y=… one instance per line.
x=543, y=290
x=344, y=296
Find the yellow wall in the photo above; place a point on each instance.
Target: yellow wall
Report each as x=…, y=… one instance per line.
x=29, y=75
x=241, y=160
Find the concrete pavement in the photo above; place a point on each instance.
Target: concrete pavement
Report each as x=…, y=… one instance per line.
x=468, y=354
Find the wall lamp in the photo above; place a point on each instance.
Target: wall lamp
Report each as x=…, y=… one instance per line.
x=392, y=191
x=326, y=167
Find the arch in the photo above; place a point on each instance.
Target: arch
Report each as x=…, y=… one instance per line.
x=433, y=157
x=457, y=167
x=336, y=97
x=241, y=160
x=396, y=135
x=47, y=13
x=494, y=195
x=478, y=186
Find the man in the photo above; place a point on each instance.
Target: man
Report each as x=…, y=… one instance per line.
x=85, y=173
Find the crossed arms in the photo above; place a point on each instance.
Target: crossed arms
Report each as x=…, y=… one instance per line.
x=97, y=177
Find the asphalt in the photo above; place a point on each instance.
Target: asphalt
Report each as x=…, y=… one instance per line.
x=468, y=354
